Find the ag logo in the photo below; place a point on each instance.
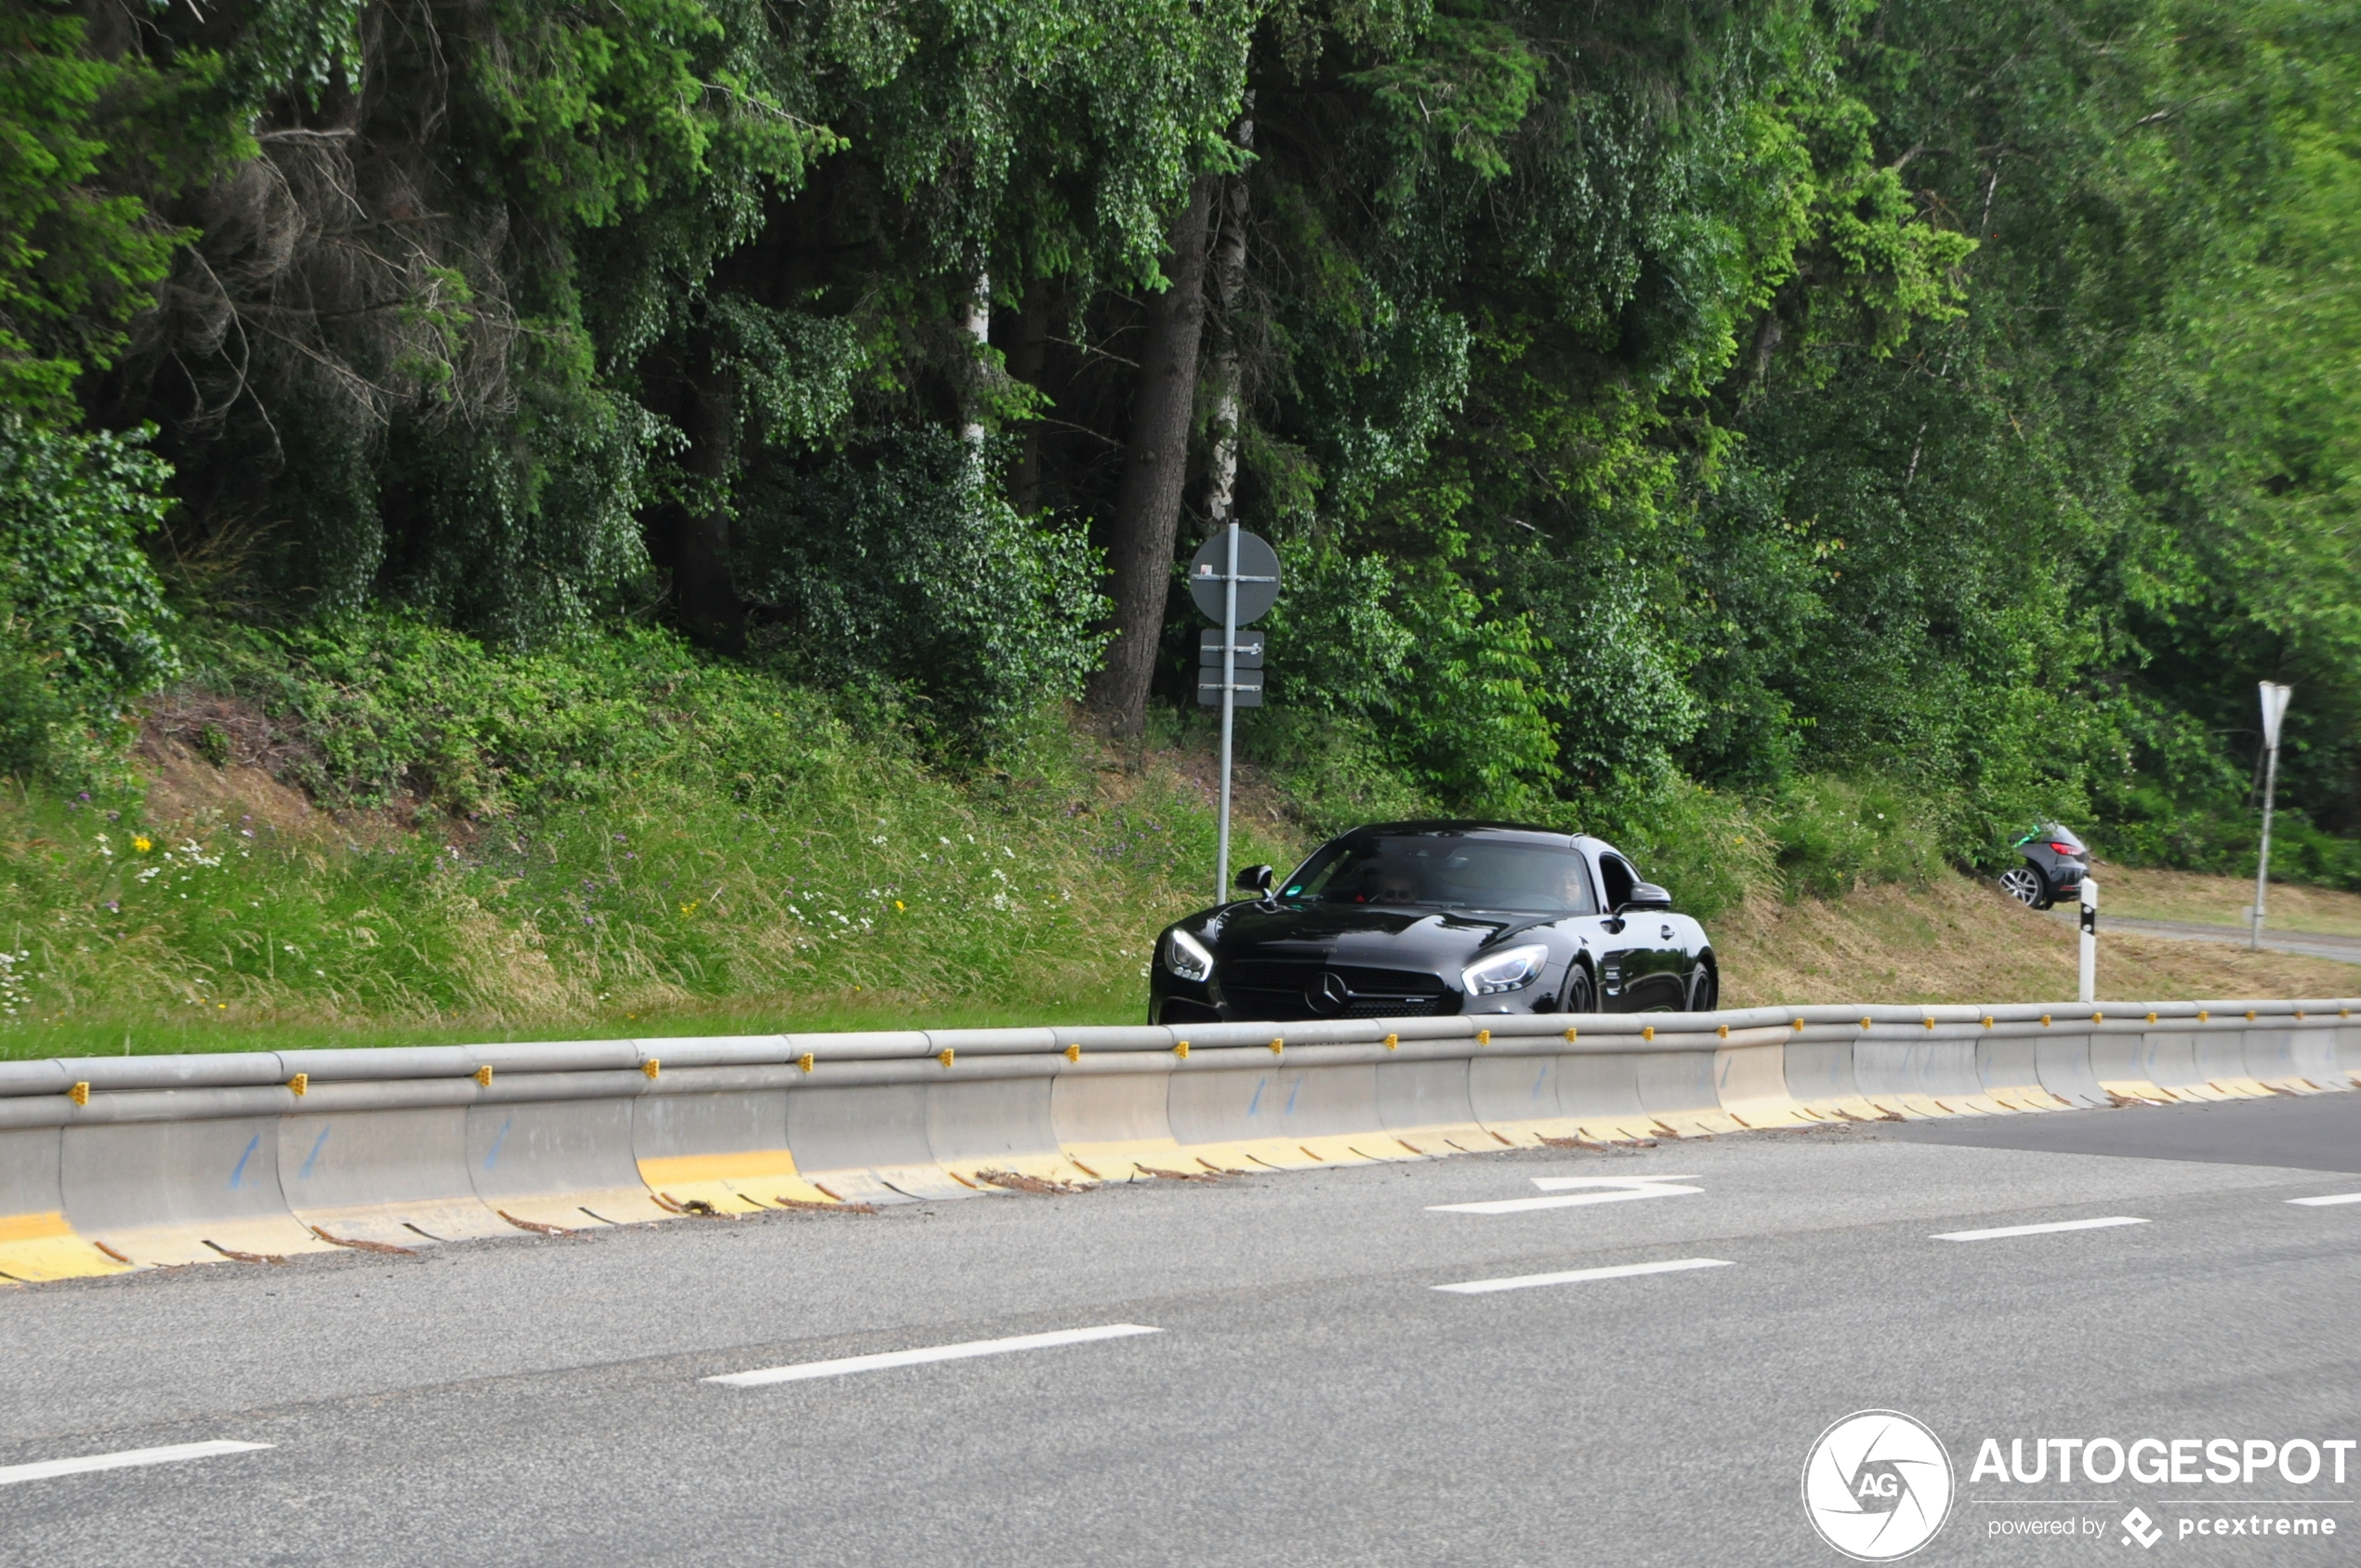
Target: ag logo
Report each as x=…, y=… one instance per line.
x=1877, y=1485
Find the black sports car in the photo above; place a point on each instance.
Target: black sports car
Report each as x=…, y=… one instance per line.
x=1405, y=919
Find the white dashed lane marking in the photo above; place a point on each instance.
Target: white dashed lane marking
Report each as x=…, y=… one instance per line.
x=2004, y=1231
x=1577, y=1277
x=843, y=1364
x=10, y=1475
x=2331, y=1198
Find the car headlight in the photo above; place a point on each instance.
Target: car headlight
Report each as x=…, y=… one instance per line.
x=1512, y=970
x=1186, y=956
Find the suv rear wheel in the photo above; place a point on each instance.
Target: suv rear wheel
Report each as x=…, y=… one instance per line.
x=2028, y=885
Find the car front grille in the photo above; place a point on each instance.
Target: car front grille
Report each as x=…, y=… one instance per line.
x=1281, y=989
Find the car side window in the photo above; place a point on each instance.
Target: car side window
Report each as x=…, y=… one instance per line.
x=1620, y=879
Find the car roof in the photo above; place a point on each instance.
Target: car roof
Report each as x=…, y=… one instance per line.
x=1454, y=827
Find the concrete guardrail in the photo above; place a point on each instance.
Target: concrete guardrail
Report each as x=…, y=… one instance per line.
x=109, y=1163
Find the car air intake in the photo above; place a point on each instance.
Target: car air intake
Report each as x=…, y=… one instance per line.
x=1285, y=989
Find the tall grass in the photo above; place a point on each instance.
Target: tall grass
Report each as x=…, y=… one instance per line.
x=733, y=852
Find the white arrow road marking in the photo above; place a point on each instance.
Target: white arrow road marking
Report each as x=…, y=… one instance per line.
x=11, y=1474
x=2331, y=1198
x=1620, y=1271
x=878, y=1362
x=2038, y=1230
x=1587, y=1190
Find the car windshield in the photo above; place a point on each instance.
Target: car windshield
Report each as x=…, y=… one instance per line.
x=1444, y=871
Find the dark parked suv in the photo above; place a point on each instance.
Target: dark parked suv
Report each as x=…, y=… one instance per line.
x=2055, y=864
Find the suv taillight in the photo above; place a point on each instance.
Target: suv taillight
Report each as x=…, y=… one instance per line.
x=2064, y=849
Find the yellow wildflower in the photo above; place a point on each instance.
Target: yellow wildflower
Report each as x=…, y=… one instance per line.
x=142, y=844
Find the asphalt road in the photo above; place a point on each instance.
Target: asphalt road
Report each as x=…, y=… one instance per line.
x=1309, y=1396
x=2309, y=944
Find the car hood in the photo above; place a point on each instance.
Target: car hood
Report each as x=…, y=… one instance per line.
x=1350, y=934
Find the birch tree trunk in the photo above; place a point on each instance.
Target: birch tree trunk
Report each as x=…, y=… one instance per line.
x=979, y=325
x=1228, y=281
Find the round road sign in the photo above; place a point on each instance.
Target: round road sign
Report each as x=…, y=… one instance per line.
x=1258, y=576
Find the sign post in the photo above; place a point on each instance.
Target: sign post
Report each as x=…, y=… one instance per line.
x=2274, y=709
x=1234, y=580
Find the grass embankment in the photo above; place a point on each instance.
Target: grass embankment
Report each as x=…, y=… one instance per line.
x=401, y=838
x=2142, y=894
x=1949, y=939
x=627, y=842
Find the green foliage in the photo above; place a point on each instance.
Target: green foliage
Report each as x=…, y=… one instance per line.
x=1832, y=836
x=902, y=568
x=83, y=626
x=76, y=262
x=1455, y=688
x=375, y=709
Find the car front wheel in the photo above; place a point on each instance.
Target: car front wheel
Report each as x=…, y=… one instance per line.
x=1581, y=994
x=2028, y=886
x=1705, y=992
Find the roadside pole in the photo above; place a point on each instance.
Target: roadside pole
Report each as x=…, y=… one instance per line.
x=2087, y=990
x=2274, y=709
x=1229, y=706
x=1234, y=579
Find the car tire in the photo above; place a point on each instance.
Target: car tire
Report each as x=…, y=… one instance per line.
x=1582, y=993
x=2028, y=885
x=1705, y=989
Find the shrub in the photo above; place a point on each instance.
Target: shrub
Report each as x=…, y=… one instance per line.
x=84, y=627
x=901, y=569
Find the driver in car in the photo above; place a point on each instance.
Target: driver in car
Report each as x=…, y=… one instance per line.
x=1392, y=882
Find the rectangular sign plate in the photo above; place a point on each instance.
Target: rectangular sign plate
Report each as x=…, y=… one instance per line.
x=1249, y=646
x=1249, y=692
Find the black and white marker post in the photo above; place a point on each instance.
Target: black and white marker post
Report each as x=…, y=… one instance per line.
x=2087, y=990
x=1234, y=580
x=2275, y=712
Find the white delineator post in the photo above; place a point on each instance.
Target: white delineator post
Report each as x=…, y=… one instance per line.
x=1229, y=707
x=2087, y=989
x=2274, y=709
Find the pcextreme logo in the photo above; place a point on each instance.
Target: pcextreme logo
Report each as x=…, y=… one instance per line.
x=1877, y=1485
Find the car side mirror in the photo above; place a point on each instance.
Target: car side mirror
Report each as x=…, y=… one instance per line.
x=1256, y=878
x=1645, y=895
